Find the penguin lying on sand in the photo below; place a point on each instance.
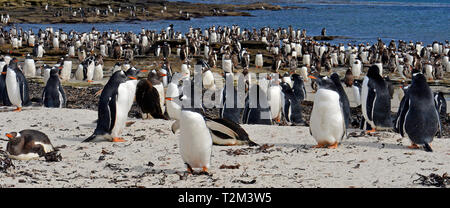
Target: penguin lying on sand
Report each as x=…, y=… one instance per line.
x=28, y=144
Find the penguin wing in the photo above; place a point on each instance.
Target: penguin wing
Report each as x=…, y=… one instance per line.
x=23, y=86
x=371, y=96
x=439, y=123
x=344, y=124
x=112, y=110
x=246, y=111
x=286, y=106
x=402, y=116
x=63, y=94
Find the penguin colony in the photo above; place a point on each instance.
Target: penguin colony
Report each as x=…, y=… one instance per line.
x=162, y=96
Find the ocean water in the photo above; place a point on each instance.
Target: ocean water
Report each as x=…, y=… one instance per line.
x=359, y=20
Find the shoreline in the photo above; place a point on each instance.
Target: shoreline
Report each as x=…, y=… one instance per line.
x=142, y=11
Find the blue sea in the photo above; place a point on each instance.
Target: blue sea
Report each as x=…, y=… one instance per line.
x=360, y=20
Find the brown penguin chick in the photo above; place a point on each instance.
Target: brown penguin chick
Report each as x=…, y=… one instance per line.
x=28, y=144
x=147, y=96
x=348, y=79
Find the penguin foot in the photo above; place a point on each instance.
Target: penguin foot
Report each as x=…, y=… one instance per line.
x=370, y=131
x=98, y=93
x=319, y=146
x=333, y=146
x=90, y=81
x=413, y=146
x=189, y=169
x=205, y=169
x=18, y=109
x=118, y=139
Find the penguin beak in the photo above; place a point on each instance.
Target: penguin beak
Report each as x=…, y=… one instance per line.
x=312, y=77
x=144, y=70
x=10, y=136
x=163, y=75
x=132, y=77
x=3, y=72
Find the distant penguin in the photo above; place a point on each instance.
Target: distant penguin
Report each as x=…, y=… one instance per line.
x=17, y=86
x=113, y=107
x=441, y=104
x=46, y=73
x=259, y=60
x=349, y=79
x=80, y=72
x=186, y=74
x=66, y=71
x=306, y=60
x=292, y=110
x=380, y=68
x=375, y=101
x=287, y=78
x=299, y=87
x=53, y=95
x=418, y=117
x=356, y=68
x=231, y=106
x=257, y=109
x=148, y=96
x=90, y=70
x=304, y=73
x=29, y=67
x=195, y=141
x=98, y=72
x=172, y=96
x=28, y=144
x=327, y=122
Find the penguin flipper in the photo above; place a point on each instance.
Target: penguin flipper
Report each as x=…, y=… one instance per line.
x=92, y=137
x=402, y=116
x=370, y=104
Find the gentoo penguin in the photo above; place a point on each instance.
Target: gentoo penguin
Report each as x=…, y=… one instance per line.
x=46, y=73
x=259, y=60
x=29, y=67
x=3, y=92
x=343, y=99
x=418, y=117
x=375, y=101
x=292, y=110
x=299, y=87
x=287, y=78
x=349, y=79
x=195, y=141
x=275, y=97
x=356, y=68
x=304, y=73
x=66, y=71
x=257, y=109
x=232, y=101
x=115, y=102
x=441, y=104
x=17, y=86
x=327, y=122
x=98, y=71
x=149, y=97
x=208, y=78
x=228, y=133
x=172, y=95
x=28, y=144
x=53, y=95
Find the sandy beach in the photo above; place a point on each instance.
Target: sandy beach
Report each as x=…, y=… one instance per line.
x=150, y=157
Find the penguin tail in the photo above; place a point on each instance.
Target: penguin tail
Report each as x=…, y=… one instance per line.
x=92, y=137
x=427, y=147
x=252, y=143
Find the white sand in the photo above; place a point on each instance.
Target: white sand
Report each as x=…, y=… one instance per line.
x=382, y=161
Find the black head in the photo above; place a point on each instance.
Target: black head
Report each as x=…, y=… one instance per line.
x=418, y=79
x=374, y=72
x=324, y=82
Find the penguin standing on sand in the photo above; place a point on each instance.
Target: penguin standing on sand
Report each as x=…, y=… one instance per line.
x=29, y=67
x=292, y=109
x=299, y=87
x=441, y=104
x=17, y=86
x=195, y=141
x=113, y=107
x=28, y=144
x=327, y=122
x=418, y=117
x=375, y=101
x=53, y=95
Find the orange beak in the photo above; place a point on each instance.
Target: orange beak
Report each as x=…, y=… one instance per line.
x=3, y=72
x=312, y=77
x=145, y=70
x=163, y=75
x=169, y=98
x=9, y=135
x=132, y=77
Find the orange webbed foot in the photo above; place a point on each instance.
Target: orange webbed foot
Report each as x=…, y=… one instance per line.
x=18, y=109
x=118, y=139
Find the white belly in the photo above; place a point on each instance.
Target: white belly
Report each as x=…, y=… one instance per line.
x=66, y=70
x=327, y=121
x=274, y=99
x=12, y=87
x=79, y=73
x=98, y=72
x=160, y=89
x=126, y=92
x=364, y=94
x=259, y=60
x=195, y=140
x=356, y=68
x=307, y=60
x=29, y=68
x=208, y=80
x=90, y=71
